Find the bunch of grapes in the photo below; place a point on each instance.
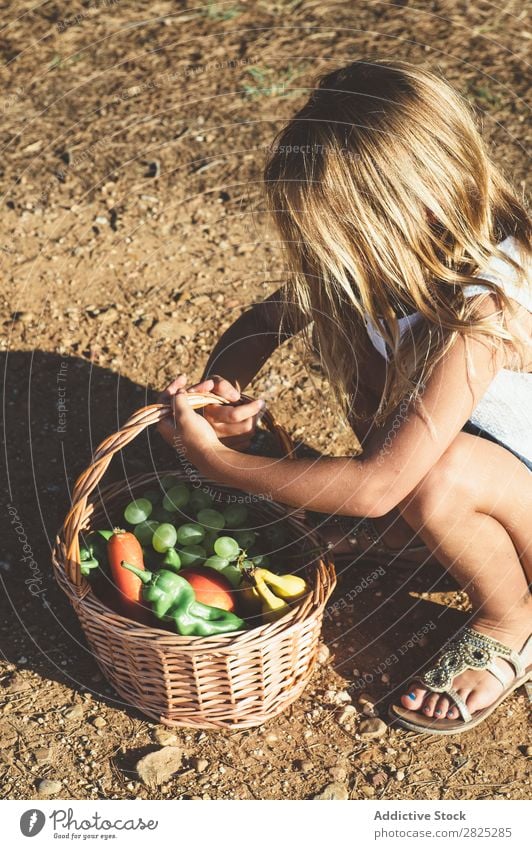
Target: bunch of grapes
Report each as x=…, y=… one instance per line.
x=183, y=528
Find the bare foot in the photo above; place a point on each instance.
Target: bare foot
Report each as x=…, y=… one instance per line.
x=478, y=688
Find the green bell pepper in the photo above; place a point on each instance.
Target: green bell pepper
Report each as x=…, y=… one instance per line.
x=94, y=552
x=173, y=598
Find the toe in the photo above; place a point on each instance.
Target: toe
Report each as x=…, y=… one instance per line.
x=480, y=698
x=442, y=706
x=453, y=712
x=413, y=699
x=429, y=704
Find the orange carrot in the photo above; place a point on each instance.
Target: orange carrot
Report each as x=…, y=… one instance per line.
x=125, y=546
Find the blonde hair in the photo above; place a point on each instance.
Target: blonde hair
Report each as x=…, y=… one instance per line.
x=387, y=203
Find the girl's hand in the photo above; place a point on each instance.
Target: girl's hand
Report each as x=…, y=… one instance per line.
x=234, y=425
x=193, y=435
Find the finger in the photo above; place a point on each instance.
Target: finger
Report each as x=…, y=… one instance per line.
x=245, y=428
x=233, y=415
x=225, y=389
x=179, y=383
x=181, y=408
x=203, y=386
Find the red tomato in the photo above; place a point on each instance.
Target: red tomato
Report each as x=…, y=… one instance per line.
x=210, y=587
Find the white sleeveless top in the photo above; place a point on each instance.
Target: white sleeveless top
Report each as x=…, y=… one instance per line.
x=505, y=410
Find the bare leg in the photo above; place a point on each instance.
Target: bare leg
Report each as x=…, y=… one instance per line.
x=473, y=510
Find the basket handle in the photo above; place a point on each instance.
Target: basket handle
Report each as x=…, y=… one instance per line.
x=90, y=478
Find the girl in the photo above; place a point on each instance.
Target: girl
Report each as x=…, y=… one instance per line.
x=409, y=255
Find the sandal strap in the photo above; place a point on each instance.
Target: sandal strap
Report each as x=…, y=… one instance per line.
x=497, y=673
x=469, y=650
x=459, y=703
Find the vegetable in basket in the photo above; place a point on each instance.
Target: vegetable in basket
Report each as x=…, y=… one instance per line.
x=271, y=593
x=211, y=587
x=94, y=553
x=172, y=597
x=123, y=545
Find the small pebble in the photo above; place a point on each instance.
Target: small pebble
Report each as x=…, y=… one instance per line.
x=323, y=653
x=41, y=755
x=379, y=779
x=75, y=712
x=337, y=697
x=400, y=775
x=164, y=737
x=372, y=728
x=157, y=767
x=528, y=751
x=99, y=722
x=368, y=791
x=338, y=773
x=346, y=714
x=48, y=787
x=335, y=790
x=201, y=765
x=304, y=766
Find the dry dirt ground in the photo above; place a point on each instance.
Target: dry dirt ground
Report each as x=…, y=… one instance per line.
x=133, y=233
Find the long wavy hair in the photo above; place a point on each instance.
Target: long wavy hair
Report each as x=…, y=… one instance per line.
x=387, y=203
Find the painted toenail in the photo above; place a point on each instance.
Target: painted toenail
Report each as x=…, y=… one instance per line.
x=412, y=696
x=450, y=714
x=438, y=712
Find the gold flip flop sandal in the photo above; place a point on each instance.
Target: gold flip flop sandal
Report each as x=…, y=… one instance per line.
x=470, y=650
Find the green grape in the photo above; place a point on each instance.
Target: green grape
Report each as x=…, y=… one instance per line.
x=152, y=495
x=176, y=497
x=210, y=539
x=163, y=516
x=138, y=511
x=171, y=560
x=233, y=575
x=190, y=534
x=235, y=515
x=200, y=500
x=227, y=547
x=165, y=537
x=144, y=531
x=216, y=562
x=192, y=555
x=246, y=539
x=211, y=519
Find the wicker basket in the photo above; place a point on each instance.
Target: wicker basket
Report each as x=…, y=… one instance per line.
x=236, y=680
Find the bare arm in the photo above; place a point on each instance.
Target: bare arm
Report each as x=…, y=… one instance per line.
x=237, y=357
x=244, y=348
x=397, y=457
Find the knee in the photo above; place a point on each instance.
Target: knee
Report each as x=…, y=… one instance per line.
x=446, y=489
